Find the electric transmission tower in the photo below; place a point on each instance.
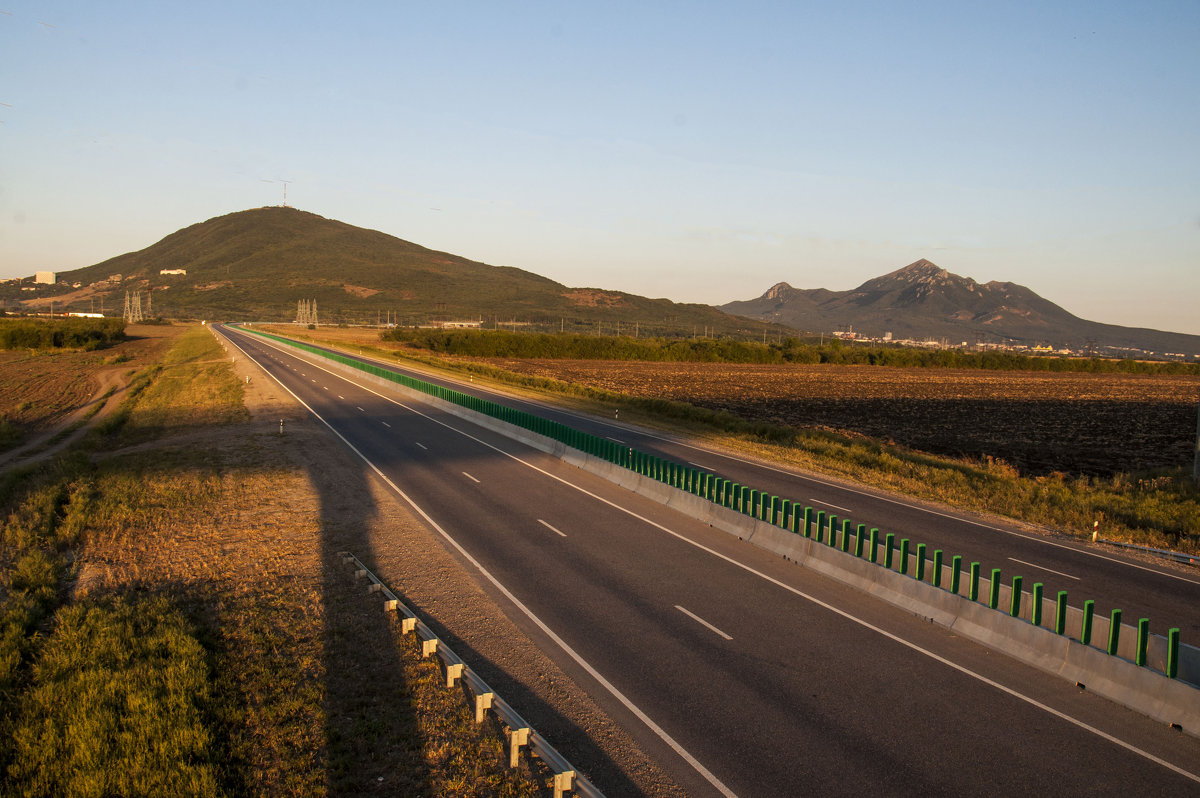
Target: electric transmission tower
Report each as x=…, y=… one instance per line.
x=306, y=311
x=133, y=307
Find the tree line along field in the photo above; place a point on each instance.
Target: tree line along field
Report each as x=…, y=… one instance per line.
x=1037, y=422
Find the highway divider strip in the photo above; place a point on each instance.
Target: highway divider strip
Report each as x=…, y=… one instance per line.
x=1153, y=674
x=520, y=734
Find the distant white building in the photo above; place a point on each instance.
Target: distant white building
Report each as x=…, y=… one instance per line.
x=172, y=271
x=45, y=278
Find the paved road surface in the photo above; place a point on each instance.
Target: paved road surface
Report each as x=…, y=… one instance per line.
x=742, y=674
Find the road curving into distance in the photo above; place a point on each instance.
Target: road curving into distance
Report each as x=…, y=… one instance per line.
x=739, y=672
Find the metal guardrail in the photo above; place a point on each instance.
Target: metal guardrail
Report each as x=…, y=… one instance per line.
x=520, y=733
x=1177, y=556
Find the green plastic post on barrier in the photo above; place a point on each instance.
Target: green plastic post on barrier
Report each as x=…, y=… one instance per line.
x=1014, y=605
x=1173, y=652
x=820, y=533
x=831, y=525
x=973, y=587
x=752, y=509
x=860, y=540
x=920, y=574
x=797, y=519
x=808, y=522
x=1114, y=632
x=1060, y=613
x=994, y=589
x=889, y=545
x=776, y=511
x=937, y=568
x=785, y=514
x=904, y=556
x=846, y=535
x=874, y=544
x=1143, y=640
x=1085, y=625
x=1035, y=610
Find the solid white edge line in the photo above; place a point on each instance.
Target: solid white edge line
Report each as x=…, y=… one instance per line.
x=702, y=622
x=552, y=529
x=1044, y=568
x=853, y=618
x=595, y=674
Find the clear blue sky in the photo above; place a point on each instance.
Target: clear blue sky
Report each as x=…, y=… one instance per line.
x=698, y=151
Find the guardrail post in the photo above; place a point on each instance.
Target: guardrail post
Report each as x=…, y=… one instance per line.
x=808, y=519
x=1014, y=604
x=1173, y=652
x=1060, y=613
x=1085, y=626
x=904, y=556
x=516, y=739
x=1143, y=641
x=937, y=568
x=889, y=545
x=920, y=574
x=1114, y=632
x=846, y=535
x=860, y=540
x=453, y=673
x=973, y=587
x=820, y=536
x=483, y=702
x=874, y=544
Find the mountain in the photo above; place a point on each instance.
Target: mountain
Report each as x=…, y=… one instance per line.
x=257, y=264
x=922, y=301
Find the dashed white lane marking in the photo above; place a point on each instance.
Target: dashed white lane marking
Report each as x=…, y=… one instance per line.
x=834, y=506
x=468, y=476
x=1044, y=568
x=384, y=423
x=702, y=622
x=423, y=446
x=552, y=529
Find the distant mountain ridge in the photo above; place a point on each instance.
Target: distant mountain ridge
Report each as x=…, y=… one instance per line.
x=923, y=301
x=257, y=264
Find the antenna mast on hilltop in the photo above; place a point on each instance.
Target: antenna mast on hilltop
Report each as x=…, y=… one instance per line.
x=285, y=185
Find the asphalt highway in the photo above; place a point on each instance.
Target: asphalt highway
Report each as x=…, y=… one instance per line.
x=1142, y=588
x=742, y=674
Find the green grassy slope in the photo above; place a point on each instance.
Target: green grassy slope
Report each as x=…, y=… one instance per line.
x=257, y=264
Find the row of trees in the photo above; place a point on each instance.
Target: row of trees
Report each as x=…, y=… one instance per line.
x=501, y=343
x=69, y=333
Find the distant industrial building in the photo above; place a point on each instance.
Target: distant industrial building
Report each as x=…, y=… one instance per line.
x=45, y=278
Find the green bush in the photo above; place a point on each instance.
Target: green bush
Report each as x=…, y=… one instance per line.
x=69, y=333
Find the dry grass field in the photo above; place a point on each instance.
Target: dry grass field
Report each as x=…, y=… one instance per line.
x=40, y=388
x=1038, y=422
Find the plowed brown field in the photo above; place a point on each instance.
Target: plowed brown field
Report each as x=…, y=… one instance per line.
x=1097, y=424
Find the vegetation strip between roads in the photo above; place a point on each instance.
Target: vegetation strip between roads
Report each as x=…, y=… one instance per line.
x=616, y=693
